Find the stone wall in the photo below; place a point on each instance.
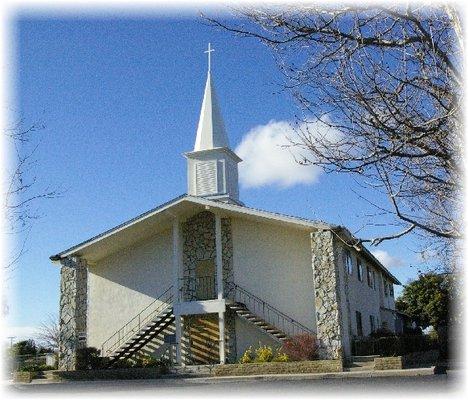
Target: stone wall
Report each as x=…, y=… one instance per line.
x=299, y=367
x=199, y=244
x=73, y=310
x=327, y=294
x=381, y=363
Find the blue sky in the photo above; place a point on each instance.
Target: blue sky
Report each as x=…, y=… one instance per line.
x=120, y=98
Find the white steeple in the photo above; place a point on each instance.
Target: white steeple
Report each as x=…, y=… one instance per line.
x=211, y=132
x=212, y=165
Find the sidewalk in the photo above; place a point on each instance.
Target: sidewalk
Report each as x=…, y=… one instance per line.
x=280, y=377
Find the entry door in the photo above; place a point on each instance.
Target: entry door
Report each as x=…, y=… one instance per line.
x=205, y=273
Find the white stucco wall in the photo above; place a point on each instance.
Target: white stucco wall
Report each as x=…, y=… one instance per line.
x=121, y=285
x=248, y=335
x=361, y=297
x=274, y=263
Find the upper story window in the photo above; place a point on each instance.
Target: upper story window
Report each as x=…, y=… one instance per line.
x=369, y=276
x=386, y=289
x=391, y=289
x=372, y=323
x=348, y=262
x=374, y=280
x=359, y=323
x=359, y=270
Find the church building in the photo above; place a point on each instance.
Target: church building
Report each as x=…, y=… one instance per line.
x=202, y=277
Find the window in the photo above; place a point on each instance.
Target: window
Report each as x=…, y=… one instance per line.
x=385, y=289
x=391, y=289
x=372, y=323
x=359, y=323
x=359, y=269
x=369, y=276
x=374, y=281
x=348, y=262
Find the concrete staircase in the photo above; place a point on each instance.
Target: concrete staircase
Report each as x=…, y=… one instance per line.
x=243, y=312
x=360, y=363
x=146, y=334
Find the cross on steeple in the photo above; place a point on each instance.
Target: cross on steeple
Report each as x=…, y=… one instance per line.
x=209, y=56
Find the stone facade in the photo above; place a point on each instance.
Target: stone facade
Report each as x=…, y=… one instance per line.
x=199, y=244
x=296, y=367
x=325, y=256
x=73, y=310
x=230, y=337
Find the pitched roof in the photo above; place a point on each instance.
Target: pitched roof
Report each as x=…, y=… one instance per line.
x=201, y=203
x=167, y=209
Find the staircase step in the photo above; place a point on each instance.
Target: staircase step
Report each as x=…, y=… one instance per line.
x=362, y=359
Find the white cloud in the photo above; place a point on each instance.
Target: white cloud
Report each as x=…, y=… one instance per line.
x=388, y=260
x=267, y=162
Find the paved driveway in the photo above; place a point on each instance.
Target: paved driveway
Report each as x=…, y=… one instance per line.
x=278, y=387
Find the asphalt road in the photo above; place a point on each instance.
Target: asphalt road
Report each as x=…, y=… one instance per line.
x=277, y=387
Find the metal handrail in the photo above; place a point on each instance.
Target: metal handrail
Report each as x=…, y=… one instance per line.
x=267, y=312
x=203, y=287
x=122, y=335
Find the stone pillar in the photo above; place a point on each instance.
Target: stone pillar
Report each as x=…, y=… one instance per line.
x=325, y=265
x=219, y=257
x=176, y=260
x=73, y=310
x=230, y=337
x=178, y=333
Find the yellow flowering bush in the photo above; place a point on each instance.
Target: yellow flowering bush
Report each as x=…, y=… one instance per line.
x=247, y=356
x=281, y=357
x=264, y=354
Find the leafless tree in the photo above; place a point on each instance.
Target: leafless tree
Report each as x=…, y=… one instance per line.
x=22, y=192
x=48, y=333
x=389, y=80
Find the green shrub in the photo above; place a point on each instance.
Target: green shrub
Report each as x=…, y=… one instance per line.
x=146, y=361
x=124, y=364
x=88, y=358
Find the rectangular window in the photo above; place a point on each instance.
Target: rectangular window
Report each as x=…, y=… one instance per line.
x=372, y=323
x=385, y=289
x=369, y=277
x=391, y=289
x=348, y=262
x=359, y=269
x=359, y=323
x=374, y=281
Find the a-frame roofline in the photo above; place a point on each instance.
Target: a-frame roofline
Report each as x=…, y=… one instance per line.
x=161, y=216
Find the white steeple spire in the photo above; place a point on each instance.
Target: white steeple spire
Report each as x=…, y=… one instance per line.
x=211, y=132
x=212, y=165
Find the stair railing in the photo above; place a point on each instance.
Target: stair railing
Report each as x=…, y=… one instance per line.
x=139, y=321
x=198, y=287
x=267, y=312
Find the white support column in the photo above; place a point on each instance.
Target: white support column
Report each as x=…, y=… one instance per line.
x=219, y=285
x=222, y=351
x=176, y=262
x=219, y=257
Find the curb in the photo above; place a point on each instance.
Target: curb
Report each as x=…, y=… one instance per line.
x=285, y=377
x=320, y=376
